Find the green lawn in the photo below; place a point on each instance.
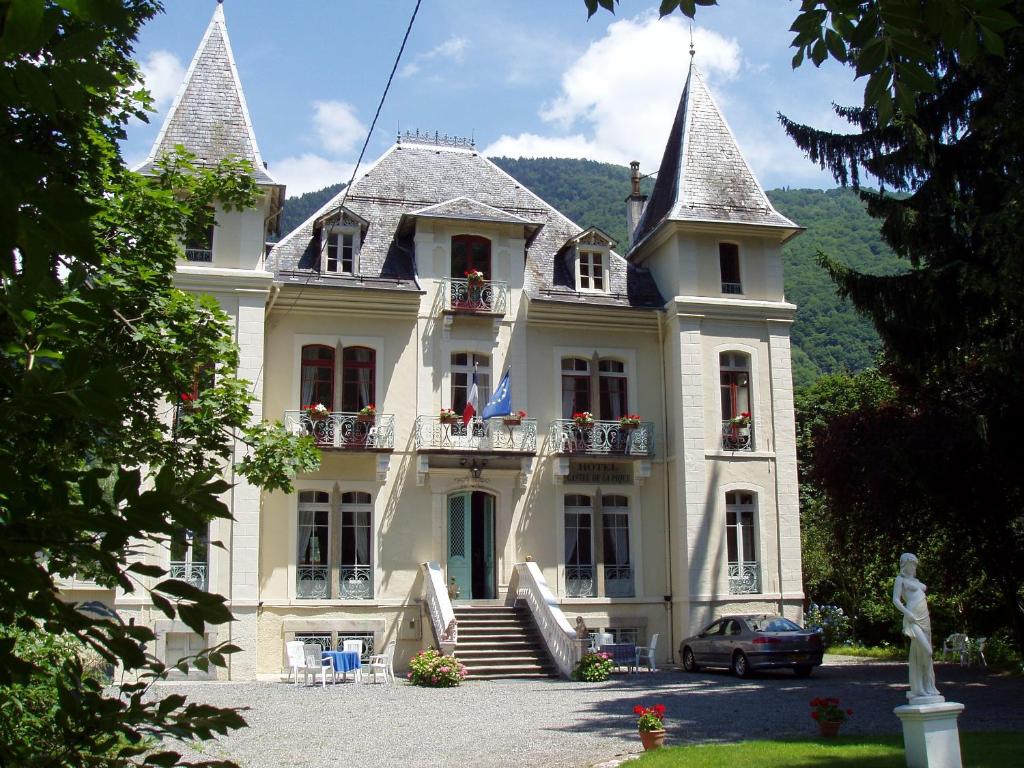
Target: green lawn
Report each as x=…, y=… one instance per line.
x=979, y=750
x=893, y=652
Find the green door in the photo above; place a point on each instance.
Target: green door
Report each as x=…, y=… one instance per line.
x=460, y=542
x=488, y=546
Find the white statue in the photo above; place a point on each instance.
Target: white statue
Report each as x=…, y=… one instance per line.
x=908, y=595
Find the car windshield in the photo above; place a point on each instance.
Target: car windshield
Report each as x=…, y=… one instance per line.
x=774, y=624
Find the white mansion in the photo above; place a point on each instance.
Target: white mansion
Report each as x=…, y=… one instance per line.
x=436, y=264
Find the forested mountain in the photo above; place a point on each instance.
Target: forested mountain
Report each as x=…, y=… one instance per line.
x=828, y=334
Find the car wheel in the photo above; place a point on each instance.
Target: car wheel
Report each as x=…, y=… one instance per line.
x=689, y=662
x=803, y=670
x=740, y=665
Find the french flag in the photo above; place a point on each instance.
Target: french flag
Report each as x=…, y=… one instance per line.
x=472, y=402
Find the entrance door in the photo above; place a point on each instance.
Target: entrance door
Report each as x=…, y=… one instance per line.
x=471, y=544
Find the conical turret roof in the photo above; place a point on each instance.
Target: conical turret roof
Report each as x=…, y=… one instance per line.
x=209, y=116
x=703, y=175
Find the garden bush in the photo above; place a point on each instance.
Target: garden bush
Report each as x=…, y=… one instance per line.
x=834, y=624
x=593, y=668
x=432, y=669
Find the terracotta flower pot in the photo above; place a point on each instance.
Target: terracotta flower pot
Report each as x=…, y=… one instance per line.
x=512, y=421
x=829, y=729
x=652, y=739
x=366, y=417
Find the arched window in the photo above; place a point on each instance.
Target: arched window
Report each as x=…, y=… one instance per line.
x=317, y=378
x=358, y=378
x=618, y=567
x=356, y=569
x=470, y=252
x=314, y=552
x=579, y=546
x=575, y=386
x=741, y=542
x=737, y=413
x=190, y=552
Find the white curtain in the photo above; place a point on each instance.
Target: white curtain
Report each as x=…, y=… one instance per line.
x=308, y=379
x=307, y=517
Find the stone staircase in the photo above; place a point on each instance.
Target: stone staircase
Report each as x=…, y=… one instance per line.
x=500, y=641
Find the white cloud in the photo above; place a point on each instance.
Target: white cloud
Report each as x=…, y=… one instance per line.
x=621, y=94
x=454, y=48
x=163, y=74
x=337, y=126
x=309, y=172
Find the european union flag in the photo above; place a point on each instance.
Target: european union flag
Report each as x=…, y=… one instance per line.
x=500, y=403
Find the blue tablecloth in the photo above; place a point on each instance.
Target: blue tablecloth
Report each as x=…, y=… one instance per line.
x=343, y=661
x=623, y=654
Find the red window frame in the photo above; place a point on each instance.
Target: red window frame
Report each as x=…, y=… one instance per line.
x=464, y=261
x=350, y=400
x=316, y=364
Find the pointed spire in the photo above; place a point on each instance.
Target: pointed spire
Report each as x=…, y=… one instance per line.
x=703, y=175
x=209, y=115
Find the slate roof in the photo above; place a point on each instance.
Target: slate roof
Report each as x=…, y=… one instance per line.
x=209, y=116
x=437, y=180
x=703, y=174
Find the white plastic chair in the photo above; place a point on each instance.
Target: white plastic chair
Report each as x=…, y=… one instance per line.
x=299, y=661
x=353, y=646
x=959, y=645
x=315, y=662
x=979, y=647
x=383, y=663
x=646, y=654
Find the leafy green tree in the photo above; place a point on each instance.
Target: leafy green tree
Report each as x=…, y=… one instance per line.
x=99, y=455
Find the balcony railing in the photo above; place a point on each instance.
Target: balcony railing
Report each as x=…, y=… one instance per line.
x=193, y=573
x=744, y=578
x=732, y=288
x=313, y=581
x=345, y=431
x=618, y=580
x=602, y=438
x=493, y=435
x=579, y=581
x=736, y=437
x=198, y=254
x=489, y=297
x=356, y=582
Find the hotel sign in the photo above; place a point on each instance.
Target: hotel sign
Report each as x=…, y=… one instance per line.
x=600, y=472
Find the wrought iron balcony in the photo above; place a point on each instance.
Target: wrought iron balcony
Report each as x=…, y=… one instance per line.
x=602, y=438
x=199, y=254
x=345, y=431
x=737, y=437
x=491, y=436
x=744, y=578
x=193, y=573
x=313, y=582
x=579, y=581
x=489, y=297
x=356, y=582
x=618, y=581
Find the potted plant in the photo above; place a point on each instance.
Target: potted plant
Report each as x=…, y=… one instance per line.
x=368, y=413
x=448, y=416
x=740, y=422
x=631, y=421
x=583, y=419
x=514, y=419
x=651, y=724
x=474, y=277
x=825, y=711
x=317, y=412
x=593, y=668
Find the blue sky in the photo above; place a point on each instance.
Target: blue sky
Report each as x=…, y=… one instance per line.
x=526, y=78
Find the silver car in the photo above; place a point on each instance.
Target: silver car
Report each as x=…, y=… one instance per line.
x=746, y=643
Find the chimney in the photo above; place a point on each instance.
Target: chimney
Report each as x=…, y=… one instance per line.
x=635, y=202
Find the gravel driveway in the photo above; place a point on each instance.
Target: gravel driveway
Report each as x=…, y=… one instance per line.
x=558, y=723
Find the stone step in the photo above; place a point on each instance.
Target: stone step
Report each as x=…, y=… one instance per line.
x=500, y=671
x=500, y=655
x=505, y=645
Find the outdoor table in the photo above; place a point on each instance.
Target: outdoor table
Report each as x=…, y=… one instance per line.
x=343, y=661
x=623, y=654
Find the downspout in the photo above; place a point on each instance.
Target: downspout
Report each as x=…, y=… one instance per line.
x=661, y=314
x=773, y=467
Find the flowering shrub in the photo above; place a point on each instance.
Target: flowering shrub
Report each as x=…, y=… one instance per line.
x=583, y=418
x=632, y=420
x=593, y=668
x=368, y=410
x=650, y=718
x=474, y=276
x=317, y=412
x=834, y=625
x=433, y=670
x=743, y=420
x=826, y=710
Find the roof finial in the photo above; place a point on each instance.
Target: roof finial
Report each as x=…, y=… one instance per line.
x=692, y=49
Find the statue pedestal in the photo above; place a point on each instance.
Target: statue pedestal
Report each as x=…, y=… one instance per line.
x=930, y=735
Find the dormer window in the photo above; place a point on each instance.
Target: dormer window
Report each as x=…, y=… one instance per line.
x=341, y=250
x=591, y=253
x=592, y=271
x=729, y=264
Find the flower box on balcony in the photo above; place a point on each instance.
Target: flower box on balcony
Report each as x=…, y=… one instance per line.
x=317, y=412
x=583, y=419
